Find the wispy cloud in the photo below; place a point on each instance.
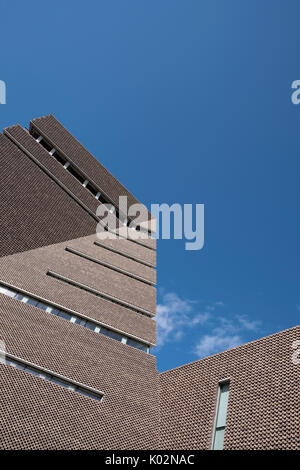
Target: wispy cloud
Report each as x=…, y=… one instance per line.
x=210, y=344
x=248, y=324
x=225, y=334
x=174, y=314
x=219, y=330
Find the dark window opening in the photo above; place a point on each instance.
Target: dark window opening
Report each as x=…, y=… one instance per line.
x=92, y=189
x=75, y=173
x=59, y=158
x=45, y=144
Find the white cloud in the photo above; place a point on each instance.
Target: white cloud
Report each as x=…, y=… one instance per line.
x=177, y=317
x=200, y=318
x=225, y=326
x=211, y=344
x=248, y=324
x=225, y=334
x=210, y=307
x=174, y=315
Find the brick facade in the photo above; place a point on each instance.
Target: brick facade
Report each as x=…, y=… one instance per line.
x=264, y=397
x=48, y=225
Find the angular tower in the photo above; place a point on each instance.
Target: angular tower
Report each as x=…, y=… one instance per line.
x=76, y=312
x=77, y=322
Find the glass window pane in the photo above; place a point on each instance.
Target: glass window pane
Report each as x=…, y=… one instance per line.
x=10, y=362
x=54, y=311
x=8, y=292
x=32, y=371
x=223, y=402
x=137, y=344
x=64, y=315
x=42, y=306
x=219, y=439
x=86, y=393
x=111, y=334
x=32, y=302
x=21, y=297
x=58, y=381
x=90, y=325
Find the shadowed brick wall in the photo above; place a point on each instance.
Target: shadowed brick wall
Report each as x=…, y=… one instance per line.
x=45, y=210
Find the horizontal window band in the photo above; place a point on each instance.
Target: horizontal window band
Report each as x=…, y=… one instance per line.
x=107, y=265
x=49, y=144
x=48, y=173
x=58, y=182
x=105, y=296
x=46, y=374
x=133, y=240
x=120, y=252
x=74, y=317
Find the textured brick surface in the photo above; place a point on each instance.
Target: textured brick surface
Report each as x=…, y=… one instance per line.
x=130, y=248
x=61, y=138
x=263, y=409
x=141, y=408
x=28, y=271
x=38, y=220
x=30, y=145
x=38, y=414
x=35, y=211
x=86, y=245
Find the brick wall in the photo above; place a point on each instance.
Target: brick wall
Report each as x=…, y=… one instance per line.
x=36, y=414
x=263, y=410
x=44, y=210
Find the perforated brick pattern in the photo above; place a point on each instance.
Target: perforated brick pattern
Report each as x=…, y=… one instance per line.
x=263, y=410
x=39, y=414
x=35, y=211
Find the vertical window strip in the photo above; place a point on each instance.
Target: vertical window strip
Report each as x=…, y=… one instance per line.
x=220, y=420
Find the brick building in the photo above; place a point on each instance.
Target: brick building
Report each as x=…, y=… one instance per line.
x=77, y=316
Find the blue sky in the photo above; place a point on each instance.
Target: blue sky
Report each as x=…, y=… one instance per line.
x=187, y=102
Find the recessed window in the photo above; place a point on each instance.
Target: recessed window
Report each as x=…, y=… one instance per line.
x=46, y=146
x=32, y=302
x=136, y=344
x=75, y=173
x=103, y=295
x=111, y=334
x=78, y=320
x=82, y=179
x=92, y=189
x=220, y=421
x=60, y=159
x=63, y=382
x=10, y=293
